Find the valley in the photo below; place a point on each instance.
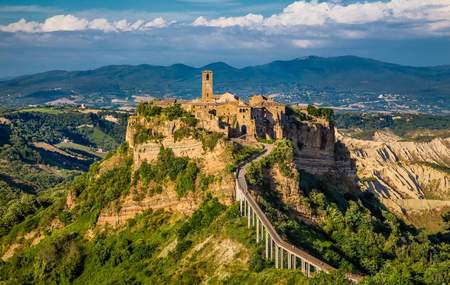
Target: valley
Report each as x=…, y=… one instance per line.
x=173, y=201
x=150, y=197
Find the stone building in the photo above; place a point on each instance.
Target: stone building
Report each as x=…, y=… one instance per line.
x=260, y=117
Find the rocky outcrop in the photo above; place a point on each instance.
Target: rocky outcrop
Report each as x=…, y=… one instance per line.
x=130, y=207
x=210, y=162
x=402, y=170
x=287, y=187
x=314, y=145
x=406, y=176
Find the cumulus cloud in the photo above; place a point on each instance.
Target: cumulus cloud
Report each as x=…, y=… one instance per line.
x=314, y=14
x=306, y=43
x=72, y=23
x=248, y=20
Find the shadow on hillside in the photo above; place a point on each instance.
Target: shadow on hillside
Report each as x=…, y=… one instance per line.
x=63, y=161
x=17, y=184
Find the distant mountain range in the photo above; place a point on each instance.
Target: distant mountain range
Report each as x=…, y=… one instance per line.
x=346, y=81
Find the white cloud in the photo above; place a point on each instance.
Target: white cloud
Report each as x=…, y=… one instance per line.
x=317, y=14
x=64, y=23
x=248, y=20
x=20, y=26
x=156, y=23
x=306, y=43
x=72, y=23
x=102, y=25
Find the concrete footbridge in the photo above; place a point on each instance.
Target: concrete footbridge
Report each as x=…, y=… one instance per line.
x=284, y=254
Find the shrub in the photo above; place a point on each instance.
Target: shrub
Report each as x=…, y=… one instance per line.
x=210, y=140
x=202, y=217
x=144, y=135
x=326, y=113
x=189, y=120
x=181, y=133
x=173, y=112
x=282, y=154
x=185, y=181
x=148, y=110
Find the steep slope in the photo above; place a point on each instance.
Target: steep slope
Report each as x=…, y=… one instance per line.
x=409, y=177
x=71, y=241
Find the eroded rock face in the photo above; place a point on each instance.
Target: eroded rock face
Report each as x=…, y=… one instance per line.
x=130, y=207
x=288, y=187
x=402, y=170
x=211, y=163
x=404, y=175
x=314, y=145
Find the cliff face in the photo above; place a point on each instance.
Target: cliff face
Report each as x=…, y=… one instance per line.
x=211, y=162
x=408, y=177
x=314, y=145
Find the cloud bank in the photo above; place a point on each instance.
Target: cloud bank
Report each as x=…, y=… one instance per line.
x=70, y=23
x=433, y=15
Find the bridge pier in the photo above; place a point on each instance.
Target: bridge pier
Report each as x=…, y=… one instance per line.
x=281, y=257
x=248, y=215
x=267, y=244
x=271, y=249
x=257, y=230
x=276, y=257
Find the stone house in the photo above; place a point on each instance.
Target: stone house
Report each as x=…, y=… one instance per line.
x=260, y=117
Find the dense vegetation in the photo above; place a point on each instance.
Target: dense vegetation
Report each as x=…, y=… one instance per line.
x=138, y=254
x=281, y=156
x=347, y=229
x=241, y=153
x=171, y=112
x=325, y=113
x=353, y=232
x=52, y=126
x=407, y=126
x=26, y=170
x=181, y=170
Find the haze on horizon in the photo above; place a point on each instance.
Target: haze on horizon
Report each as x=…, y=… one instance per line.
x=37, y=36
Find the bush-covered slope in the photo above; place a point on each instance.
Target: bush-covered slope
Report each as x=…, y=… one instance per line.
x=347, y=228
x=35, y=158
x=61, y=244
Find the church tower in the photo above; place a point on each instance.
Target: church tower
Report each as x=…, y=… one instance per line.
x=207, y=86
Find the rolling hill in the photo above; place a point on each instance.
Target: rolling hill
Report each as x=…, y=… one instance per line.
x=345, y=81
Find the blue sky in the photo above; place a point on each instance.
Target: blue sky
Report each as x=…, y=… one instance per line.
x=55, y=34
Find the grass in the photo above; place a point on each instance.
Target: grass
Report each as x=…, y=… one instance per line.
x=47, y=110
x=71, y=145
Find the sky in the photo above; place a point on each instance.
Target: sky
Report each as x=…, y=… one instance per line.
x=41, y=35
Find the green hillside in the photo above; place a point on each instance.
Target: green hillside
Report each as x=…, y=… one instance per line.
x=340, y=81
x=55, y=236
x=35, y=159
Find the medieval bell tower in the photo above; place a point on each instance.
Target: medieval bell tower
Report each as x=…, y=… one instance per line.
x=207, y=86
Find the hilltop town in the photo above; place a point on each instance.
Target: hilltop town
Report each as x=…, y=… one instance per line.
x=260, y=117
